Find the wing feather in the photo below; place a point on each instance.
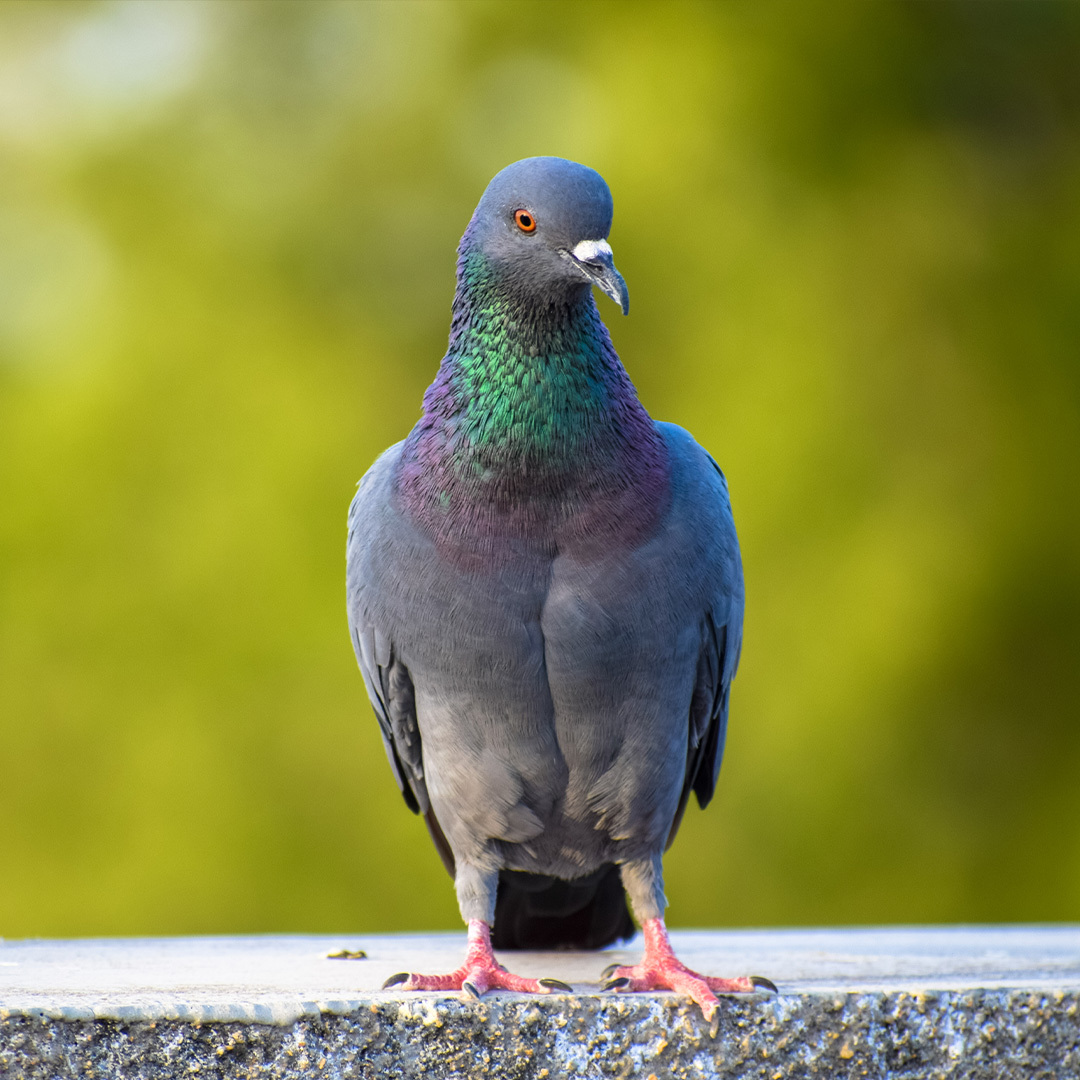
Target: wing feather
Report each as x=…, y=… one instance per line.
x=721, y=644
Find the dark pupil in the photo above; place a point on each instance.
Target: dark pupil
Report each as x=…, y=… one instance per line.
x=526, y=220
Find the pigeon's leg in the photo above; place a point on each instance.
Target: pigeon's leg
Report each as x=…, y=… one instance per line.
x=660, y=968
x=480, y=972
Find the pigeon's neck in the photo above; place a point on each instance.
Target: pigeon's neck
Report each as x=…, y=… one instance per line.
x=528, y=380
x=532, y=428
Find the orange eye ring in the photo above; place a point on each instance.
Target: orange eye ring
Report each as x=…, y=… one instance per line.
x=524, y=221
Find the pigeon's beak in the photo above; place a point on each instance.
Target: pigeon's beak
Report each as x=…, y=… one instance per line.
x=594, y=259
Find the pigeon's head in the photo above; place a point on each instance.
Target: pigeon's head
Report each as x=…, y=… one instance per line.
x=542, y=225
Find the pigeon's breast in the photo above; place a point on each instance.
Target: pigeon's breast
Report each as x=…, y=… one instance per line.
x=617, y=508
x=489, y=511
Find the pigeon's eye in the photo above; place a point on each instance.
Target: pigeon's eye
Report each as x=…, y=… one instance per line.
x=525, y=221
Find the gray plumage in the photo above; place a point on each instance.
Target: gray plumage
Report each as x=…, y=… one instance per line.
x=548, y=703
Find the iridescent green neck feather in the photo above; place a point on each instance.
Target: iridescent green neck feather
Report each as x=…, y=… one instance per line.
x=532, y=428
x=530, y=382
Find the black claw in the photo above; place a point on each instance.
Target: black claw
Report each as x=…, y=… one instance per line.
x=394, y=980
x=615, y=984
x=761, y=983
x=714, y=1027
x=606, y=973
x=471, y=990
x=557, y=984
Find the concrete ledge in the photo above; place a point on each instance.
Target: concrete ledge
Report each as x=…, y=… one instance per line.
x=969, y=1002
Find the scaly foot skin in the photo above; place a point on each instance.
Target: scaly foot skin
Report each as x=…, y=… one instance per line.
x=480, y=973
x=660, y=969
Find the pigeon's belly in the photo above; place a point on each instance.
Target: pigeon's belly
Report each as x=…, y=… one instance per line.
x=552, y=713
x=555, y=719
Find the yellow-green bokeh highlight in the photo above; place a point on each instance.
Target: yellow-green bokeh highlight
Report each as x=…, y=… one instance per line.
x=852, y=238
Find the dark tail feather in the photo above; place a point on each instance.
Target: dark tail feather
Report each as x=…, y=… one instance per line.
x=537, y=912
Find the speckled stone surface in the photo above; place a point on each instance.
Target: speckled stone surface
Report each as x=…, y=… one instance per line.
x=998, y=1002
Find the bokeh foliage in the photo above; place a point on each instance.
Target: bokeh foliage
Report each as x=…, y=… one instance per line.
x=851, y=233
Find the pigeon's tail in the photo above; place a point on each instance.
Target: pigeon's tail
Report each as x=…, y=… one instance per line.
x=537, y=912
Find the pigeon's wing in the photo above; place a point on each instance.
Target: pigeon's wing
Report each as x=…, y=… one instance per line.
x=721, y=645
x=386, y=678
x=390, y=690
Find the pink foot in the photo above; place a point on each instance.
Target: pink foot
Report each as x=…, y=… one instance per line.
x=480, y=973
x=660, y=969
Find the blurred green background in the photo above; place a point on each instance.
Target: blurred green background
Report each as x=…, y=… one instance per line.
x=851, y=233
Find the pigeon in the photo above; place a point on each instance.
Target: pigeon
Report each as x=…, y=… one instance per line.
x=545, y=598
